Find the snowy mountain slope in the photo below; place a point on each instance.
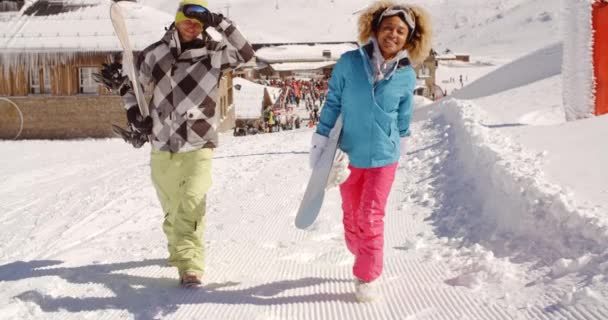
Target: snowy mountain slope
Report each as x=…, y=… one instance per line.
x=289, y=21
x=499, y=28
x=532, y=67
x=504, y=28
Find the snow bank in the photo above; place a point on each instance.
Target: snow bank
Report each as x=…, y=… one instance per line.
x=421, y=101
x=538, y=65
x=503, y=198
x=578, y=59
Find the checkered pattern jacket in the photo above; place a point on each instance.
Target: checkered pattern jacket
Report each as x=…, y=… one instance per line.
x=185, y=87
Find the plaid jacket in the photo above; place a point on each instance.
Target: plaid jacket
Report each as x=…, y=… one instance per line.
x=185, y=87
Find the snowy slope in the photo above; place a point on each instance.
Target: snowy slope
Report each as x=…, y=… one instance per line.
x=82, y=234
x=498, y=28
x=499, y=210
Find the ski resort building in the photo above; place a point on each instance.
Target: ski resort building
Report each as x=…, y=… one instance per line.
x=317, y=60
x=49, y=50
x=309, y=60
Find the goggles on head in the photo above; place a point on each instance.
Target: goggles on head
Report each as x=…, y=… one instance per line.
x=192, y=10
x=404, y=13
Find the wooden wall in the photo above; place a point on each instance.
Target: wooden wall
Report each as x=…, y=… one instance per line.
x=67, y=117
x=13, y=82
x=63, y=113
x=64, y=77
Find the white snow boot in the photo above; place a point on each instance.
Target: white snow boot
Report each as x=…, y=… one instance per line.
x=365, y=291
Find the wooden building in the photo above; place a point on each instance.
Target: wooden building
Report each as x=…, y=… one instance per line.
x=426, y=73
x=49, y=51
x=289, y=60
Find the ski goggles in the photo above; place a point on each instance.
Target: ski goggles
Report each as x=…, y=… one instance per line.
x=403, y=12
x=192, y=10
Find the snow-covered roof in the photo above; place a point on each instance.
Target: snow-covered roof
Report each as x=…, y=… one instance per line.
x=303, y=53
x=249, y=98
x=420, y=84
x=85, y=27
x=253, y=64
x=446, y=57
x=301, y=66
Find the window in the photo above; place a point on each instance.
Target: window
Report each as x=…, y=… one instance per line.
x=86, y=83
x=35, y=82
x=47, y=81
x=425, y=72
x=223, y=107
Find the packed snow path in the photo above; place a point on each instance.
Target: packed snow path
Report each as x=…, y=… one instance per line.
x=81, y=238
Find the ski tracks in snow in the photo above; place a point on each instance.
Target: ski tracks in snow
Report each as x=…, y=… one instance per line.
x=104, y=236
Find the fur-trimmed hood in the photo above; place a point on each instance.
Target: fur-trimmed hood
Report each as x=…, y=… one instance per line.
x=420, y=45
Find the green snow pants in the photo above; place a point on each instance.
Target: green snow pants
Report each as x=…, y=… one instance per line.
x=181, y=181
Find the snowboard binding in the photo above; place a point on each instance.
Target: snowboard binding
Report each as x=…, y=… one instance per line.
x=135, y=138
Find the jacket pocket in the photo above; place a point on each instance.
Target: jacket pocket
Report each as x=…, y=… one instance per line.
x=206, y=110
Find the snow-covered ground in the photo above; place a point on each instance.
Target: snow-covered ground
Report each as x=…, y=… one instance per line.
x=499, y=210
x=483, y=223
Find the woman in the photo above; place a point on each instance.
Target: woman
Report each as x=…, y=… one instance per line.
x=372, y=89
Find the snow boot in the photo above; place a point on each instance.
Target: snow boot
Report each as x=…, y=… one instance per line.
x=365, y=291
x=190, y=280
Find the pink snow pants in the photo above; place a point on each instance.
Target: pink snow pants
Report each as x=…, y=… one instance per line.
x=364, y=196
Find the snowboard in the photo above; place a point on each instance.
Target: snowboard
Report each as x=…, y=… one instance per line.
x=128, y=62
x=315, y=190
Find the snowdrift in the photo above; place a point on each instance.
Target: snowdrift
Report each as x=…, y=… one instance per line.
x=538, y=65
x=494, y=192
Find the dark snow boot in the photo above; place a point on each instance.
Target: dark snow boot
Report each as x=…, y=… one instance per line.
x=190, y=280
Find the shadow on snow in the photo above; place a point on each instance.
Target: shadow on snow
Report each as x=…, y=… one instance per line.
x=147, y=297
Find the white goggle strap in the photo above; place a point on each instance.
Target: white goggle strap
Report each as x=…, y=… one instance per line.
x=408, y=18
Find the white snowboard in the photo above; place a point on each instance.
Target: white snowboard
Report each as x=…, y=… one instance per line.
x=128, y=63
x=315, y=190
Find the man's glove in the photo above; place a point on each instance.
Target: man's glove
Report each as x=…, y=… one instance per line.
x=112, y=78
x=316, y=149
x=138, y=122
x=210, y=19
x=136, y=139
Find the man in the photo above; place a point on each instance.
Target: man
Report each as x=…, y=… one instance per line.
x=184, y=69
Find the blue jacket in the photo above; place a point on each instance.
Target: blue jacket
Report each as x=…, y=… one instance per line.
x=374, y=116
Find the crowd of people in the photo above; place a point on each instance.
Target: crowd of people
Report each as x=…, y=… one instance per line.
x=309, y=94
x=287, y=113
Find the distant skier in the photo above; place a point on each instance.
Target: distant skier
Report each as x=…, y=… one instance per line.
x=184, y=69
x=376, y=116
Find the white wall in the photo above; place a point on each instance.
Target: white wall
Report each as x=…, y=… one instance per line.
x=577, y=69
